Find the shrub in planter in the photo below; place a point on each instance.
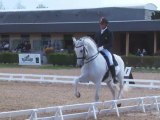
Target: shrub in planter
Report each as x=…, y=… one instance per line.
x=61, y=59
x=147, y=61
x=8, y=57
x=156, y=61
x=132, y=61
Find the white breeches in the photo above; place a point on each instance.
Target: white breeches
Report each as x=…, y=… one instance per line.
x=109, y=55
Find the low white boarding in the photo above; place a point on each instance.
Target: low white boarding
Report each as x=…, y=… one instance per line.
x=88, y=110
x=140, y=83
x=36, y=78
x=43, y=78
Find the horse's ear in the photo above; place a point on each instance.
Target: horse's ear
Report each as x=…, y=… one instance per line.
x=74, y=40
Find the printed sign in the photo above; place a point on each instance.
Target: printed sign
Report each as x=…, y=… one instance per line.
x=29, y=59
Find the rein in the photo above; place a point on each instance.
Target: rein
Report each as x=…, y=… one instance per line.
x=91, y=58
x=84, y=58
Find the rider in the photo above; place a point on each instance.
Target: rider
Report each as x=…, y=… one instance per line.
x=104, y=40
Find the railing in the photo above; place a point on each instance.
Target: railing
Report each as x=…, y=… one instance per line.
x=88, y=110
x=140, y=83
x=70, y=80
x=36, y=78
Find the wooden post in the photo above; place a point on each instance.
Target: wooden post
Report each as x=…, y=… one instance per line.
x=127, y=43
x=155, y=42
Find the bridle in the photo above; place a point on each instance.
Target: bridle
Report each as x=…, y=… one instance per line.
x=84, y=59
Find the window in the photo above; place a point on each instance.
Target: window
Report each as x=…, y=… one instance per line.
x=25, y=37
x=57, y=44
x=68, y=42
x=37, y=45
x=46, y=40
x=5, y=38
x=15, y=43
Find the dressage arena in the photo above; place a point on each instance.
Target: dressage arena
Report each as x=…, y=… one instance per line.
x=23, y=95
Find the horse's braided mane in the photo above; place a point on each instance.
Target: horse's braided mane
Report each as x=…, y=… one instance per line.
x=83, y=38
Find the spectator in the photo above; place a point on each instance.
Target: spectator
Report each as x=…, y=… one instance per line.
x=144, y=52
x=23, y=47
x=28, y=46
x=19, y=47
x=6, y=46
x=138, y=53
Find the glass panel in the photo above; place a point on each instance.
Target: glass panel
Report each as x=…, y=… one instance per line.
x=57, y=44
x=37, y=45
x=46, y=41
x=25, y=37
x=68, y=43
x=5, y=37
x=15, y=43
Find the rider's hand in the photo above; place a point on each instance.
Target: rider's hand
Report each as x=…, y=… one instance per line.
x=100, y=48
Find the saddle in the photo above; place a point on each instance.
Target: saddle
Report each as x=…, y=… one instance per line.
x=107, y=60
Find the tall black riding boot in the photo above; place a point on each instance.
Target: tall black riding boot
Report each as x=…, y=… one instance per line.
x=113, y=73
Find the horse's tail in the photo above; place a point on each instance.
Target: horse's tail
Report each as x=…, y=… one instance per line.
x=120, y=75
x=121, y=65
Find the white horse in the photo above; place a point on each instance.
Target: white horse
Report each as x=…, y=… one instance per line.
x=94, y=67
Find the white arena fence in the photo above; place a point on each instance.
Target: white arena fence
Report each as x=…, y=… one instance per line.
x=84, y=110
x=70, y=80
x=88, y=110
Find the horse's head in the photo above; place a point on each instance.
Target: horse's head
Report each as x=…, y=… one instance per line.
x=85, y=50
x=80, y=50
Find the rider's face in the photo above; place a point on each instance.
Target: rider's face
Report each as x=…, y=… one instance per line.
x=103, y=26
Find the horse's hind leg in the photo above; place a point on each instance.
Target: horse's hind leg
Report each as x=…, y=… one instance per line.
x=110, y=85
x=121, y=86
x=113, y=90
x=120, y=94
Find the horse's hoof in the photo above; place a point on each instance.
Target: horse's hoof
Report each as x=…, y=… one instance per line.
x=119, y=105
x=78, y=95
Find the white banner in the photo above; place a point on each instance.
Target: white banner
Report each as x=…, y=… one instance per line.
x=29, y=59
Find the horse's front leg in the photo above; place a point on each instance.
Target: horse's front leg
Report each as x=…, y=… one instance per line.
x=76, y=92
x=97, y=93
x=82, y=78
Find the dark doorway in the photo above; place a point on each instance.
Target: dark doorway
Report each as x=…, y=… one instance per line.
x=158, y=44
x=68, y=43
x=141, y=41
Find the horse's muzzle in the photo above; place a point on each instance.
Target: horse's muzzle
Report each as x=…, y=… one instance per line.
x=79, y=65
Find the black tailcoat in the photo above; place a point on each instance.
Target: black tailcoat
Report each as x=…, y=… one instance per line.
x=105, y=39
